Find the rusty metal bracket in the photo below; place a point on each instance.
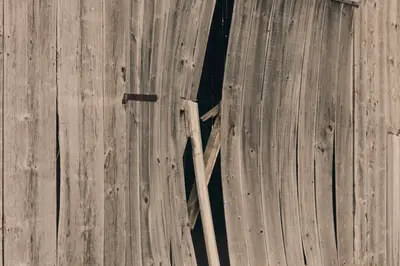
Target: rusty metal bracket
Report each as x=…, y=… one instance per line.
x=139, y=97
x=354, y=3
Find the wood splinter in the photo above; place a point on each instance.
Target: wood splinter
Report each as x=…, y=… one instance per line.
x=349, y=2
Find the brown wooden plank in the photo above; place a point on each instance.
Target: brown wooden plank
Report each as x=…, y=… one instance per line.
x=29, y=153
x=393, y=198
x=370, y=80
x=116, y=83
x=192, y=112
x=134, y=246
x=344, y=131
x=81, y=105
x=1, y=124
x=306, y=137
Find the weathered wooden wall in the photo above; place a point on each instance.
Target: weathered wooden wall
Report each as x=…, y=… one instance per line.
x=309, y=106
x=310, y=131
x=64, y=67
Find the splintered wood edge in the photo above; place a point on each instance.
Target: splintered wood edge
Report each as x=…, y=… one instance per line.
x=213, y=112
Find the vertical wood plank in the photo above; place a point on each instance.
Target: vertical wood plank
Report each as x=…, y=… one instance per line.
x=116, y=81
x=80, y=98
x=370, y=86
x=393, y=198
x=133, y=216
x=343, y=150
x=30, y=112
x=1, y=128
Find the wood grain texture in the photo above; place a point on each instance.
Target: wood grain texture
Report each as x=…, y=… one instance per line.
x=116, y=83
x=81, y=117
x=30, y=116
x=370, y=87
x=393, y=198
x=282, y=131
x=1, y=125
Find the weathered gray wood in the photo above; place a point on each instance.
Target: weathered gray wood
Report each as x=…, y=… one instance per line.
x=393, y=199
x=212, y=113
x=192, y=112
x=134, y=199
x=30, y=119
x=210, y=157
x=306, y=137
x=344, y=131
x=81, y=116
x=370, y=87
x=1, y=122
x=116, y=83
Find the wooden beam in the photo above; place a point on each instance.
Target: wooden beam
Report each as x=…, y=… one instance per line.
x=210, y=157
x=192, y=113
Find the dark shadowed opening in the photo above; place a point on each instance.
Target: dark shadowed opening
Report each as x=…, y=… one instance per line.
x=210, y=94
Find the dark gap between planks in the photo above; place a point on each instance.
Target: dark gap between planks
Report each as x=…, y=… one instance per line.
x=209, y=95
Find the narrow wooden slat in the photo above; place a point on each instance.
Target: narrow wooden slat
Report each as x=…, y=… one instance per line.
x=116, y=82
x=81, y=116
x=393, y=199
x=29, y=153
x=212, y=113
x=306, y=136
x=1, y=125
x=370, y=87
x=201, y=184
x=210, y=157
x=344, y=156
x=133, y=215
x=325, y=134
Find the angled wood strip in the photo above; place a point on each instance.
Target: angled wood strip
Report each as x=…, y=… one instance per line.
x=30, y=150
x=116, y=80
x=212, y=113
x=393, y=198
x=201, y=183
x=210, y=157
x=81, y=105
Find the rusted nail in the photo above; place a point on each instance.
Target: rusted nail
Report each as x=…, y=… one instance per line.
x=139, y=97
x=355, y=3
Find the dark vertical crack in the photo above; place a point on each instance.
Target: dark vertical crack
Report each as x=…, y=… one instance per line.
x=209, y=95
x=282, y=225
x=334, y=192
x=58, y=173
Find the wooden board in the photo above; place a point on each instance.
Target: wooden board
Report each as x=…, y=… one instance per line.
x=371, y=62
x=30, y=115
x=1, y=124
x=393, y=198
x=116, y=83
x=81, y=117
